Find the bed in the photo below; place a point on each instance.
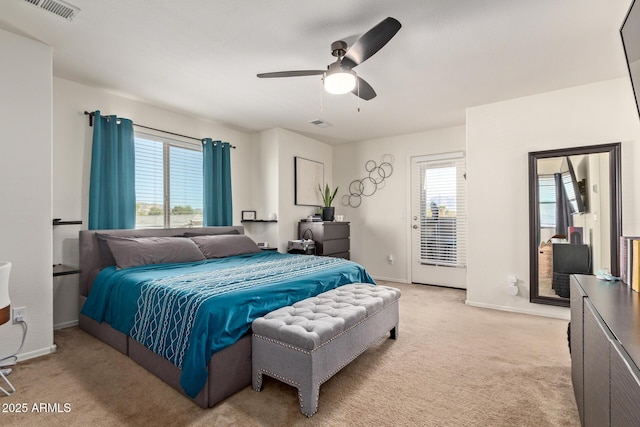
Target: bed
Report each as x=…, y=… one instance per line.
x=185, y=314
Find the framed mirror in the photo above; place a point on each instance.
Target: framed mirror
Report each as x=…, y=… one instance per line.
x=574, y=217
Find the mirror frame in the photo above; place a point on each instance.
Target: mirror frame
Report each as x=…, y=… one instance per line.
x=615, y=180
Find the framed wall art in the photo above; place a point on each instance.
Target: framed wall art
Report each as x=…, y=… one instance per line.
x=309, y=175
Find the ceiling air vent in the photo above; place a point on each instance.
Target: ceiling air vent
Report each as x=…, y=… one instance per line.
x=57, y=7
x=320, y=123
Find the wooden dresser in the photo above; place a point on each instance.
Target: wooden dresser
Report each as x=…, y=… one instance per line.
x=605, y=351
x=332, y=238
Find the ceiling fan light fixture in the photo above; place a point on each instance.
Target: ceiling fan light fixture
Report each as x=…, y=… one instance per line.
x=340, y=82
x=339, y=77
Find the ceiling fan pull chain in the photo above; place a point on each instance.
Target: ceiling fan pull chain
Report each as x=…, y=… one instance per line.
x=321, y=94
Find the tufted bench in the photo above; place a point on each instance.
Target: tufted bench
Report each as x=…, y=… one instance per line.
x=307, y=343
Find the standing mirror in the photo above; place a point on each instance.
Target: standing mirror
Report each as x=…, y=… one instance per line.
x=574, y=217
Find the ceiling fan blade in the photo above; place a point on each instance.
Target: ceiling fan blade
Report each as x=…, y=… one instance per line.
x=371, y=42
x=291, y=73
x=364, y=90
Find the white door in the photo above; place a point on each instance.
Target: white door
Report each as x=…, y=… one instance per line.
x=438, y=220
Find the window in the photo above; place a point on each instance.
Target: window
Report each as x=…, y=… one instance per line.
x=442, y=213
x=168, y=183
x=547, y=194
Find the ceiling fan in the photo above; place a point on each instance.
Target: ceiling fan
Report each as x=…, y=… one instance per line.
x=339, y=76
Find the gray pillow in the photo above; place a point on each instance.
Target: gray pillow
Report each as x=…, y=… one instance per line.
x=106, y=257
x=135, y=251
x=225, y=245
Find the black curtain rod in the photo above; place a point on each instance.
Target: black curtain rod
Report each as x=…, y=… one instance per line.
x=91, y=114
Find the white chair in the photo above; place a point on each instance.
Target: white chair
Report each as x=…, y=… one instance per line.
x=5, y=316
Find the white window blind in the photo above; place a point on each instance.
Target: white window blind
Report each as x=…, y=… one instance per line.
x=169, y=187
x=547, y=200
x=443, y=218
x=186, y=186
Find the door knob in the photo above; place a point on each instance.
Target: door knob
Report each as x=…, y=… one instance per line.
x=415, y=226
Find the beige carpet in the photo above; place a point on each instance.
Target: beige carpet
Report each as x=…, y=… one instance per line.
x=453, y=365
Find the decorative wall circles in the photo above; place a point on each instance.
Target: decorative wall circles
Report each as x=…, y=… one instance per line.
x=352, y=200
x=367, y=186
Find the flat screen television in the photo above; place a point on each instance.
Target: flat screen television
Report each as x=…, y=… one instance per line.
x=630, y=33
x=571, y=187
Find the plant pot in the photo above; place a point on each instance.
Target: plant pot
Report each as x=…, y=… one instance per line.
x=327, y=213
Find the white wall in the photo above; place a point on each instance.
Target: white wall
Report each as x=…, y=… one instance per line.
x=72, y=159
x=25, y=189
x=499, y=138
x=294, y=145
x=380, y=226
x=264, y=187
x=274, y=188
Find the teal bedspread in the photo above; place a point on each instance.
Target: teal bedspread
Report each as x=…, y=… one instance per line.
x=186, y=312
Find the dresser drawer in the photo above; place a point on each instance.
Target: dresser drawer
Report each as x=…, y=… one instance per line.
x=335, y=246
x=336, y=230
x=332, y=238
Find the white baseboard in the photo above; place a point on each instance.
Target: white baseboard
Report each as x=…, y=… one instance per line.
x=390, y=279
x=563, y=316
x=65, y=325
x=47, y=350
x=37, y=353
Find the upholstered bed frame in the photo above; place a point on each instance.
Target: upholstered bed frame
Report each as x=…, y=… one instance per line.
x=229, y=369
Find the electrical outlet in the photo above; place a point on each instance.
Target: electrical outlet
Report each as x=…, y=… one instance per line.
x=18, y=314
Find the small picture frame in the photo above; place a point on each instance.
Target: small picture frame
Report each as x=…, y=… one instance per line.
x=248, y=215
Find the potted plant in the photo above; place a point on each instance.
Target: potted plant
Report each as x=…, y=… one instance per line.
x=327, y=198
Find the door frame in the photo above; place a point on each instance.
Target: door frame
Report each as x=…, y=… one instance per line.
x=409, y=204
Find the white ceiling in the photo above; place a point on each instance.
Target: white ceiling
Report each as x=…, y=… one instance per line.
x=201, y=57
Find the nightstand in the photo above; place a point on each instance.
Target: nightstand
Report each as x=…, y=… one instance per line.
x=331, y=238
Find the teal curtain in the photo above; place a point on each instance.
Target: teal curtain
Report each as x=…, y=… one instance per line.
x=217, y=183
x=112, y=198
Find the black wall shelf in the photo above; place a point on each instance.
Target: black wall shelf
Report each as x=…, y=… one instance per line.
x=64, y=270
x=58, y=221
